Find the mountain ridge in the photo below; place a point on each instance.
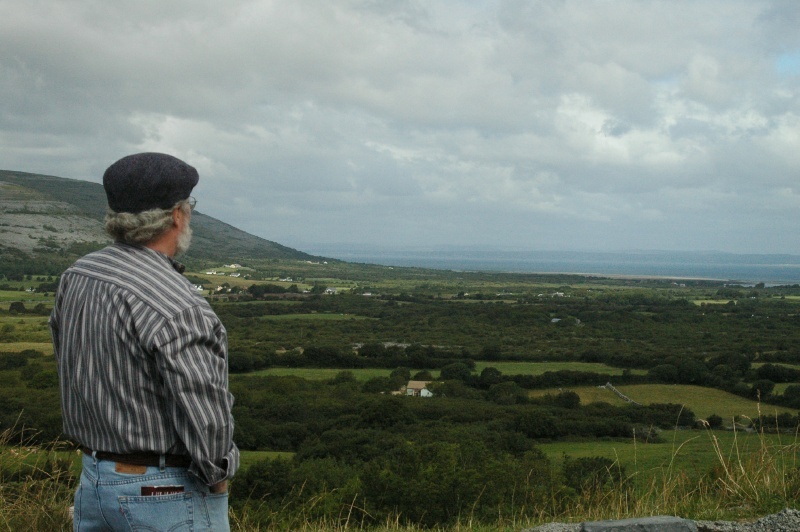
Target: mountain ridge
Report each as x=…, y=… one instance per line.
x=49, y=217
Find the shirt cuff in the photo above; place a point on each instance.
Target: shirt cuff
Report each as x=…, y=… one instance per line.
x=215, y=472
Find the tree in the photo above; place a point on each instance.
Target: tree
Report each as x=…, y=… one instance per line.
x=776, y=373
x=664, y=373
x=761, y=389
x=568, y=399
x=344, y=377
x=691, y=371
x=791, y=396
x=385, y=412
x=401, y=374
x=399, y=377
x=379, y=385
x=506, y=393
x=372, y=350
x=44, y=379
x=455, y=371
x=13, y=361
x=30, y=371
x=490, y=352
x=268, y=478
x=538, y=425
x=318, y=288
x=490, y=376
x=714, y=421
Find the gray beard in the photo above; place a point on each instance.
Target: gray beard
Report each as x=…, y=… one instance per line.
x=184, y=240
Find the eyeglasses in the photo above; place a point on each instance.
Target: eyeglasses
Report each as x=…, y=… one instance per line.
x=192, y=202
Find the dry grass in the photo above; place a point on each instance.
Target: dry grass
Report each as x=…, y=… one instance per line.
x=36, y=487
x=741, y=485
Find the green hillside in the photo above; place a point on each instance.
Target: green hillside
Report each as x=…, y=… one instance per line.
x=63, y=217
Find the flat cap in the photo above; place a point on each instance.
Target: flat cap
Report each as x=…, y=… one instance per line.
x=145, y=181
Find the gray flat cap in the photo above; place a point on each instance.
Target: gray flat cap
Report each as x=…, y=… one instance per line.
x=145, y=181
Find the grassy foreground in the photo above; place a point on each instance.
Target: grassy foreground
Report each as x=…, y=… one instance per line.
x=752, y=475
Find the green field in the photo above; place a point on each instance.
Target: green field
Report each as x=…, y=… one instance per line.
x=702, y=401
x=248, y=458
x=507, y=368
x=690, y=452
x=538, y=368
x=314, y=317
x=16, y=347
x=319, y=373
x=693, y=452
x=756, y=365
x=24, y=332
x=7, y=296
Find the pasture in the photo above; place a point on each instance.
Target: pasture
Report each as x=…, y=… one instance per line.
x=538, y=368
x=702, y=401
x=318, y=374
x=29, y=299
x=690, y=452
x=315, y=317
x=19, y=332
x=507, y=368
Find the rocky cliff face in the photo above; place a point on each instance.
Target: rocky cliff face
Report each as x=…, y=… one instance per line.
x=31, y=222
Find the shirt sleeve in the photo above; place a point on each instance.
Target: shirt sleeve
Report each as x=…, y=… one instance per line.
x=191, y=352
x=52, y=322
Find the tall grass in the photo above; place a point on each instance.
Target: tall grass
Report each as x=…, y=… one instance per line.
x=739, y=486
x=37, y=486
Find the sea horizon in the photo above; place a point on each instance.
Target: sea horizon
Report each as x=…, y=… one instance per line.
x=733, y=268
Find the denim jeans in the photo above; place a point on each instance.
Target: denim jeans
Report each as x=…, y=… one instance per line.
x=107, y=499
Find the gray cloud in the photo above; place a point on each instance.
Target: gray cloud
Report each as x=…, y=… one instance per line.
x=551, y=124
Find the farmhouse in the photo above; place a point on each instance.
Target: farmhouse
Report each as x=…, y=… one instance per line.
x=418, y=389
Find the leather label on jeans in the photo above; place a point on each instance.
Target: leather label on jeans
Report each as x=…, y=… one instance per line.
x=130, y=469
x=149, y=491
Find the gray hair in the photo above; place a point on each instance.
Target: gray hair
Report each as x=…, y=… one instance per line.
x=141, y=227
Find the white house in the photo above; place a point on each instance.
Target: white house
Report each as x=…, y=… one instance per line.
x=418, y=389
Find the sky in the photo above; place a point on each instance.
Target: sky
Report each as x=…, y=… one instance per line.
x=498, y=124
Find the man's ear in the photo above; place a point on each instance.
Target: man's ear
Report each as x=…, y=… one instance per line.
x=177, y=216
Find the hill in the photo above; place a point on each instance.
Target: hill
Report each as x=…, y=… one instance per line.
x=52, y=220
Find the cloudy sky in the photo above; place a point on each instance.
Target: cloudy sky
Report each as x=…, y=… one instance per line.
x=537, y=125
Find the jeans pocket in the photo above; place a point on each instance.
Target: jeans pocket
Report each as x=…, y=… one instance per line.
x=159, y=512
x=216, y=507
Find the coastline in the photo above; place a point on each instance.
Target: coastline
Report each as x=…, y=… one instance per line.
x=772, y=270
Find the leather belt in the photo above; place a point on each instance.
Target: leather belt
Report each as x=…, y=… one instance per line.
x=142, y=458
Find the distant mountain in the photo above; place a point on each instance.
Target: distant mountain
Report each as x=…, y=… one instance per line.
x=47, y=216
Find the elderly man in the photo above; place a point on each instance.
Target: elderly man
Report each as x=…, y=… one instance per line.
x=142, y=363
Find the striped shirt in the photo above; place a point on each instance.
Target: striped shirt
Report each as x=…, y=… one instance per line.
x=142, y=361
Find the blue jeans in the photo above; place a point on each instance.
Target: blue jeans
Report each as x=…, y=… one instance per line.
x=110, y=500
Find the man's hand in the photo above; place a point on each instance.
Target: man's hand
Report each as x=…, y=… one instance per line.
x=219, y=487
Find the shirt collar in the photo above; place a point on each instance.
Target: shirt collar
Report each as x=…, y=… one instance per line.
x=177, y=266
x=180, y=268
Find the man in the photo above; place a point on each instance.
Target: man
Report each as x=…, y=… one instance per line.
x=142, y=363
